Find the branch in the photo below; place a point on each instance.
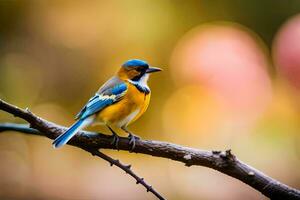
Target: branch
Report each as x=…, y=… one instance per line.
x=94, y=151
x=222, y=161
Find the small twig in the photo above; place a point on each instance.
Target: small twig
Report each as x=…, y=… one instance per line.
x=95, y=152
x=127, y=169
x=28, y=116
x=224, y=162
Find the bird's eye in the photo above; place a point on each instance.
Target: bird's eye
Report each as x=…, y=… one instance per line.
x=139, y=69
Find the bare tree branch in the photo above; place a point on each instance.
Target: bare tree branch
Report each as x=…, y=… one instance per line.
x=94, y=151
x=222, y=161
x=24, y=128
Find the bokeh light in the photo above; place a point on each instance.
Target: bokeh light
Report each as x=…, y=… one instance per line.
x=230, y=61
x=219, y=89
x=286, y=51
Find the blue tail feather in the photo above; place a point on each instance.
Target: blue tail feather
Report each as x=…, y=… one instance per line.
x=65, y=137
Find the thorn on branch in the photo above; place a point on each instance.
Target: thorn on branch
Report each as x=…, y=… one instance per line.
x=227, y=155
x=228, y=152
x=230, y=155
x=27, y=110
x=128, y=166
x=139, y=180
x=149, y=188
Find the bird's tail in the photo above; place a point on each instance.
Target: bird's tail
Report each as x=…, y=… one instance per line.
x=65, y=137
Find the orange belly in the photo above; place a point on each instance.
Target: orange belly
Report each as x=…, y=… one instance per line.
x=127, y=110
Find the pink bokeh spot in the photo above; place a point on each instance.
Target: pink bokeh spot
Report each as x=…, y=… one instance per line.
x=286, y=51
x=229, y=61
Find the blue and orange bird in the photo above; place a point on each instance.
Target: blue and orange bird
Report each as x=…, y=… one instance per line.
x=118, y=103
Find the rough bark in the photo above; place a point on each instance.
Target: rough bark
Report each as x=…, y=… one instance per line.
x=222, y=161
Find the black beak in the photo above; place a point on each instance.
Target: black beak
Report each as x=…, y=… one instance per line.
x=153, y=69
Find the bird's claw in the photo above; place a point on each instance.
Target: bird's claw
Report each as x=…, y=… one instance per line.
x=115, y=141
x=132, y=140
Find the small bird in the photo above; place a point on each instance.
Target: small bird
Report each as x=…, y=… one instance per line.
x=119, y=102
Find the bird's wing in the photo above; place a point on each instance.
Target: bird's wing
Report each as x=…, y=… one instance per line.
x=111, y=92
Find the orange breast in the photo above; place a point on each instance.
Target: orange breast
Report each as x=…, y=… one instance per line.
x=128, y=109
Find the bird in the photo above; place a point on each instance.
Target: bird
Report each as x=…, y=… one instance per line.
x=119, y=102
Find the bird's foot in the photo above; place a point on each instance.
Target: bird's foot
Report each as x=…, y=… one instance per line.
x=132, y=140
x=116, y=138
x=115, y=141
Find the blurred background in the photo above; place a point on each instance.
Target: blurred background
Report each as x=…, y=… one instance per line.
x=231, y=79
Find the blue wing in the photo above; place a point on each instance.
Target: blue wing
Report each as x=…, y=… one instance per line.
x=111, y=92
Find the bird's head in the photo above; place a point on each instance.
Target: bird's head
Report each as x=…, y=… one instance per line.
x=136, y=69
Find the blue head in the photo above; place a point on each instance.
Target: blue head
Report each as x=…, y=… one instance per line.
x=135, y=63
x=135, y=69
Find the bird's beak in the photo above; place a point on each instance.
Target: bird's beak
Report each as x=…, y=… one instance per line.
x=153, y=69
